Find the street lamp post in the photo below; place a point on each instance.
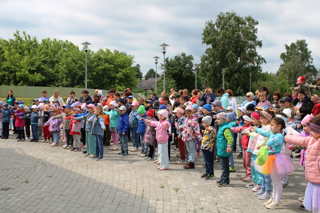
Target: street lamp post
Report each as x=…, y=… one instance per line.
x=164, y=45
x=155, y=81
x=250, y=82
x=195, y=73
x=85, y=47
x=223, y=72
x=287, y=83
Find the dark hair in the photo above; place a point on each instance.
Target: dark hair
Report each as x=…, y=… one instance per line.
x=219, y=90
x=315, y=120
x=183, y=97
x=72, y=92
x=154, y=94
x=117, y=94
x=85, y=91
x=277, y=93
x=165, y=98
x=112, y=91
x=195, y=92
x=301, y=92
x=44, y=91
x=279, y=121
x=265, y=89
x=248, y=114
x=288, y=95
x=11, y=95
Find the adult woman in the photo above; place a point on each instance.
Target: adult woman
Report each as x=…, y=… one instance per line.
x=276, y=99
x=266, y=91
x=224, y=97
x=194, y=96
x=303, y=107
x=186, y=93
x=111, y=96
x=72, y=98
x=200, y=102
x=232, y=100
x=56, y=96
x=208, y=96
x=263, y=100
x=10, y=98
x=249, y=97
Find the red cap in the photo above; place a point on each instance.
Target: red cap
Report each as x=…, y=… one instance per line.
x=150, y=113
x=300, y=79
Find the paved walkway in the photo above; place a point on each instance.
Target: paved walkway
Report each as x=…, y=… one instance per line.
x=45, y=179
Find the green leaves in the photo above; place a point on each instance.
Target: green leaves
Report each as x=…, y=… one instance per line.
x=25, y=61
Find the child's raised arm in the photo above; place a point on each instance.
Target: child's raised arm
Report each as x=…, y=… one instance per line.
x=264, y=133
x=296, y=140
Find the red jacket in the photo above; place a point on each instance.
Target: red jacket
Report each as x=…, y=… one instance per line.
x=316, y=109
x=194, y=99
x=19, y=121
x=244, y=138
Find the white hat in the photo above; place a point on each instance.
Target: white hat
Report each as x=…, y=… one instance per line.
x=242, y=109
x=106, y=108
x=34, y=107
x=230, y=108
x=287, y=111
x=114, y=103
x=122, y=108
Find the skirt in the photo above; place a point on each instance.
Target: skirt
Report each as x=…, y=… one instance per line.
x=312, y=197
x=276, y=163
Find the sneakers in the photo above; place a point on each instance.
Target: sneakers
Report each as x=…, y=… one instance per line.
x=269, y=201
x=134, y=149
x=223, y=184
x=243, y=177
x=164, y=168
x=125, y=154
x=99, y=158
x=265, y=196
x=54, y=144
x=156, y=161
x=284, y=184
x=115, y=148
x=77, y=150
x=250, y=185
x=211, y=177
x=219, y=181
x=142, y=155
x=74, y=148
x=247, y=179
x=259, y=193
x=190, y=165
x=111, y=147
x=302, y=207
x=301, y=199
x=18, y=140
x=240, y=155
x=231, y=169
x=273, y=205
x=92, y=156
x=86, y=155
x=257, y=188
x=205, y=175
x=180, y=162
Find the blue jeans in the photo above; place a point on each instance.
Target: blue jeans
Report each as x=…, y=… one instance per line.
x=124, y=143
x=134, y=136
x=144, y=147
x=224, y=166
x=208, y=160
x=34, y=129
x=99, y=145
x=231, y=161
x=55, y=136
x=191, y=148
x=266, y=183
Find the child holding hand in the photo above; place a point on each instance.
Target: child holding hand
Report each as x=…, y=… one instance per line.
x=98, y=128
x=54, y=127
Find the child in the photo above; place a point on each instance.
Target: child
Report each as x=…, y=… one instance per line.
x=107, y=133
x=240, y=122
x=195, y=109
x=1, y=103
x=40, y=119
x=97, y=130
x=244, y=142
x=162, y=137
x=66, y=116
x=45, y=129
x=75, y=127
x=181, y=145
x=19, y=123
x=224, y=139
x=122, y=129
x=232, y=123
x=90, y=139
x=5, y=117
x=54, y=127
x=150, y=134
x=134, y=122
x=277, y=164
x=316, y=109
x=34, y=122
x=190, y=135
x=311, y=199
x=209, y=135
x=114, y=119
x=27, y=121
x=304, y=86
x=141, y=130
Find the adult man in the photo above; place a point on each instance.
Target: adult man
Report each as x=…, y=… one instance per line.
x=85, y=96
x=56, y=97
x=44, y=96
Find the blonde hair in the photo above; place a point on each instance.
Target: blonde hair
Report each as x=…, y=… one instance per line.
x=99, y=108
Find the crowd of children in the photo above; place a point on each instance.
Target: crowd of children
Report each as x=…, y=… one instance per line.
x=267, y=135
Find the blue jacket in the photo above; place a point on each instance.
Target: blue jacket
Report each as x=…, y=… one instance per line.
x=123, y=124
x=134, y=119
x=5, y=115
x=98, y=126
x=204, y=97
x=34, y=119
x=142, y=125
x=87, y=117
x=275, y=141
x=222, y=142
x=80, y=115
x=180, y=122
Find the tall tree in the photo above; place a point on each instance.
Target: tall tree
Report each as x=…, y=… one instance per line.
x=139, y=74
x=297, y=61
x=232, y=45
x=151, y=74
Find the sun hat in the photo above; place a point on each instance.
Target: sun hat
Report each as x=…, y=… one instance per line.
x=34, y=107
x=189, y=108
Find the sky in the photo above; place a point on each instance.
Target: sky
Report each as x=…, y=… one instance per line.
x=138, y=27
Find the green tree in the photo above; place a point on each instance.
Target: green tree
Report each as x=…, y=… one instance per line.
x=232, y=44
x=297, y=61
x=139, y=74
x=274, y=82
x=151, y=74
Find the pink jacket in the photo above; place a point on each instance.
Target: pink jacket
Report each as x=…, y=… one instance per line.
x=162, y=130
x=244, y=138
x=312, y=163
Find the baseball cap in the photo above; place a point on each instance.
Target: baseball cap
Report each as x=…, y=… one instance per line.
x=300, y=79
x=64, y=106
x=207, y=107
x=149, y=101
x=135, y=104
x=91, y=106
x=286, y=99
x=250, y=107
x=5, y=105
x=155, y=98
x=162, y=106
x=242, y=109
x=36, y=99
x=130, y=96
x=121, y=101
x=216, y=103
x=34, y=107
x=21, y=105
x=123, y=108
x=176, y=96
x=20, y=102
x=230, y=108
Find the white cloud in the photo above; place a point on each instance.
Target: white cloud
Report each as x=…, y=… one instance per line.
x=139, y=27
